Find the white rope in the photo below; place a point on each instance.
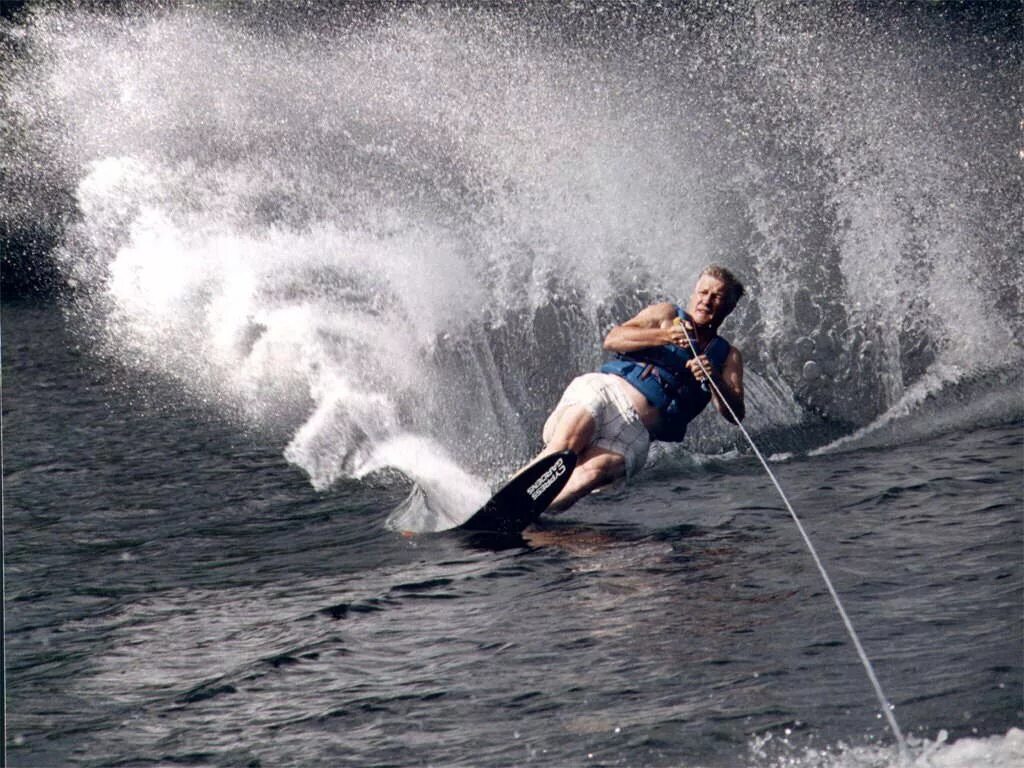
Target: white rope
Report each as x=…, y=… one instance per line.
x=886, y=707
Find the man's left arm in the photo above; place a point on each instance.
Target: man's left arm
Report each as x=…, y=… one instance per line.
x=730, y=382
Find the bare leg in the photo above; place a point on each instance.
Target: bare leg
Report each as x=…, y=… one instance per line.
x=571, y=429
x=596, y=467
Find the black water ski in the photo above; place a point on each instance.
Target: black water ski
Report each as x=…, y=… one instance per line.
x=522, y=500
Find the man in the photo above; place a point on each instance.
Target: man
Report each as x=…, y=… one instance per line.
x=652, y=390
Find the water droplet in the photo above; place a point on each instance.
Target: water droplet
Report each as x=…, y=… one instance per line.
x=812, y=371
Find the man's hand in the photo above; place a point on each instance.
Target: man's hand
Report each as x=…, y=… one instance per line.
x=677, y=335
x=698, y=365
x=681, y=333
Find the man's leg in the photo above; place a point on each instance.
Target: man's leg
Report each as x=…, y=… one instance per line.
x=572, y=428
x=596, y=467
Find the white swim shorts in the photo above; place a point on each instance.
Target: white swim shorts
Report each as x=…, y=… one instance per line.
x=619, y=428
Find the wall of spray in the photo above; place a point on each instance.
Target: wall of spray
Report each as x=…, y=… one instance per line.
x=392, y=238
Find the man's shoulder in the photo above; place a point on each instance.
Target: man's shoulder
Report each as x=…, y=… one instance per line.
x=725, y=349
x=663, y=310
x=734, y=357
x=653, y=315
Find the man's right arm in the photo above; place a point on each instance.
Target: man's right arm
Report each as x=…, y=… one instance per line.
x=651, y=327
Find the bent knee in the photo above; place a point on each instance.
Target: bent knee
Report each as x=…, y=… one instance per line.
x=571, y=429
x=600, y=467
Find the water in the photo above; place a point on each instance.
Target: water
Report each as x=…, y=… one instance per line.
x=176, y=589
x=299, y=259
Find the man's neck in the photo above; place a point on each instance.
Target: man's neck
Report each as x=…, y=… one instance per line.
x=704, y=333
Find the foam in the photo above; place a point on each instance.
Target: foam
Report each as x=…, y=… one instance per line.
x=996, y=751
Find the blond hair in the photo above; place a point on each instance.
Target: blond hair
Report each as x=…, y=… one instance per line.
x=733, y=287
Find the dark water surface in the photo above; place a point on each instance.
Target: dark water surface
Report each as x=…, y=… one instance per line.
x=176, y=593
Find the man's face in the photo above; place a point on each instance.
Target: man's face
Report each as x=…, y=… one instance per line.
x=707, y=303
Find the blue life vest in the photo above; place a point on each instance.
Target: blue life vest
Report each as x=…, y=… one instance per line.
x=661, y=375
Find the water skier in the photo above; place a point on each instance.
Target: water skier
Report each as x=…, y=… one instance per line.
x=652, y=390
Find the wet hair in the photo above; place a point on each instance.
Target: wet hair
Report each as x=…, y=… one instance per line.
x=733, y=287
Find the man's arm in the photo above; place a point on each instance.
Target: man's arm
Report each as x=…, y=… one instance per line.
x=730, y=382
x=651, y=327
